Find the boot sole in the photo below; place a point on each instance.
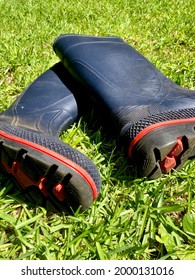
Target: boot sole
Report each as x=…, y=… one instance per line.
x=49, y=178
x=163, y=146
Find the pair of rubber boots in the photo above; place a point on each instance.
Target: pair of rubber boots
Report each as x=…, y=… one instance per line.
x=153, y=118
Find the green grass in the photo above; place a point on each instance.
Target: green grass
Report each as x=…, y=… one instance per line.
x=132, y=218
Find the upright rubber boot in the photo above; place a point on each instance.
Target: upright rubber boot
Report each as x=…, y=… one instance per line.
x=52, y=172
x=153, y=117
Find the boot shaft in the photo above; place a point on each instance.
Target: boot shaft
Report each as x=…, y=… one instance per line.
x=153, y=117
x=47, y=105
x=120, y=78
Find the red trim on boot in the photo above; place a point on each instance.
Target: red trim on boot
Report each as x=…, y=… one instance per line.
x=153, y=127
x=17, y=172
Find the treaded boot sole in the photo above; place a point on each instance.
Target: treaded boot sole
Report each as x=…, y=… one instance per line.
x=164, y=146
x=59, y=181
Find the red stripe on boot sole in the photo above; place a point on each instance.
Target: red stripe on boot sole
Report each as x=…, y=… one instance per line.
x=82, y=172
x=150, y=128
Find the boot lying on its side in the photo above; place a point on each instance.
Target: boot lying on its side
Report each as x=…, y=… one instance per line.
x=154, y=117
x=50, y=171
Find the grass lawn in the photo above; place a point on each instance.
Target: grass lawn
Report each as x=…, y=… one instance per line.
x=133, y=218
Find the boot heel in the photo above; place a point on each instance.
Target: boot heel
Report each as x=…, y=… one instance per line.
x=157, y=150
x=62, y=176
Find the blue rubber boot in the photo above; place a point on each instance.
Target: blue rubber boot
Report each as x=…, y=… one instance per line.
x=153, y=117
x=50, y=171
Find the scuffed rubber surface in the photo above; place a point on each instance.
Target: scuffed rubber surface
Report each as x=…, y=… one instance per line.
x=46, y=105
